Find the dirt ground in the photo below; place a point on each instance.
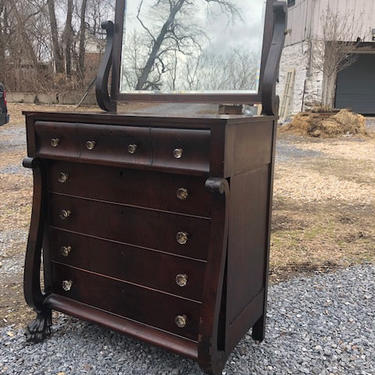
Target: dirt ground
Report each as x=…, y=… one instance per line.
x=323, y=207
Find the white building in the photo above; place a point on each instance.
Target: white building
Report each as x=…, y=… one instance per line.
x=301, y=83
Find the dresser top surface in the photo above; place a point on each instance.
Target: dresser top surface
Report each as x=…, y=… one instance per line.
x=137, y=117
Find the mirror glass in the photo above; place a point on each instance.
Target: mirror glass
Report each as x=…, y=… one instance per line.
x=192, y=46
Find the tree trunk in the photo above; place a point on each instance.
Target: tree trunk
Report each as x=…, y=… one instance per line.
x=82, y=40
x=329, y=91
x=68, y=39
x=157, y=44
x=57, y=54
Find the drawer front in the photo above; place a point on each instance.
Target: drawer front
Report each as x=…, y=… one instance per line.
x=178, y=193
x=182, y=149
x=115, y=144
x=182, y=277
x=176, y=234
x=54, y=139
x=127, y=300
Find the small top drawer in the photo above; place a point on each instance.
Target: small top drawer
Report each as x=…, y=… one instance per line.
x=182, y=149
x=115, y=144
x=56, y=139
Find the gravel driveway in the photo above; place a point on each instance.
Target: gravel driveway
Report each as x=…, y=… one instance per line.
x=323, y=324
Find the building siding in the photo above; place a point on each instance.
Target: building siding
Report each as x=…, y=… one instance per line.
x=305, y=23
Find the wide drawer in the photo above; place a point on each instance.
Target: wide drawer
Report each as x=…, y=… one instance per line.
x=178, y=193
x=115, y=144
x=173, y=314
x=56, y=139
x=182, y=149
x=173, y=274
x=172, y=233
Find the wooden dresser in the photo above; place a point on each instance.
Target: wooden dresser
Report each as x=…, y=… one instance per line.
x=154, y=226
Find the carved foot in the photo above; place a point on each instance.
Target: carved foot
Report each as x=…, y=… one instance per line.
x=258, y=333
x=40, y=328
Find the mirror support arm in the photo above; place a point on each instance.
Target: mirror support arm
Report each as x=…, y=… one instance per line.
x=270, y=101
x=103, y=98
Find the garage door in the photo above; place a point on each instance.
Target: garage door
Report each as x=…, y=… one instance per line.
x=356, y=85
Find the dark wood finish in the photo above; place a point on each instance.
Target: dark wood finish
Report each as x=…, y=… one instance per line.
x=129, y=263
x=112, y=142
x=136, y=226
x=158, y=190
x=64, y=133
x=195, y=146
x=127, y=233
x=152, y=335
x=114, y=296
x=103, y=98
x=123, y=224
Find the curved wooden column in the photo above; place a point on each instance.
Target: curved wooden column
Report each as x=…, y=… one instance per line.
x=211, y=351
x=39, y=329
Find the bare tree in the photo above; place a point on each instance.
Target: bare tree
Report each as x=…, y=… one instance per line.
x=57, y=52
x=68, y=39
x=82, y=41
x=334, y=50
x=173, y=35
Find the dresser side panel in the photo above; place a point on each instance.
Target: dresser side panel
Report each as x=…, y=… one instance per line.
x=248, y=146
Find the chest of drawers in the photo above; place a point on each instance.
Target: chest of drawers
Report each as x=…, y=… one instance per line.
x=154, y=226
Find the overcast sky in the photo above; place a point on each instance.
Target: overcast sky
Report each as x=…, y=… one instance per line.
x=224, y=32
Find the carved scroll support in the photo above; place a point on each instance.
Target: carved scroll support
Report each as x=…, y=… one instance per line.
x=270, y=101
x=103, y=98
x=39, y=329
x=211, y=350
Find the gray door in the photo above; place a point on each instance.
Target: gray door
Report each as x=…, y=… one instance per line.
x=356, y=85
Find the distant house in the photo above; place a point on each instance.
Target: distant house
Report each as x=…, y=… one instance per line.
x=301, y=86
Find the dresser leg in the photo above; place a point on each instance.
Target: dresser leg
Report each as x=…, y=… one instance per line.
x=40, y=328
x=259, y=329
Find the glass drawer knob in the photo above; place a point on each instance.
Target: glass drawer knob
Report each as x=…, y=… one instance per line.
x=182, y=194
x=64, y=214
x=132, y=149
x=181, y=321
x=63, y=177
x=66, y=250
x=55, y=142
x=177, y=153
x=90, y=145
x=182, y=238
x=67, y=285
x=181, y=280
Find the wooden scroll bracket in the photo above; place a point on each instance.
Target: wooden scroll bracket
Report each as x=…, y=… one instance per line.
x=211, y=347
x=270, y=101
x=103, y=98
x=39, y=329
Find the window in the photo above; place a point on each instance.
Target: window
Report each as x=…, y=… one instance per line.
x=291, y=3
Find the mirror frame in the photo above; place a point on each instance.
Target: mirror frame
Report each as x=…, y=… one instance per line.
x=273, y=42
x=220, y=97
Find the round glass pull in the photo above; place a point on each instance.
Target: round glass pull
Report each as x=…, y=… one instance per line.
x=182, y=238
x=63, y=177
x=90, y=145
x=66, y=250
x=67, y=285
x=181, y=321
x=181, y=280
x=55, y=142
x=132, y=149
x=177, y=153
x=64, y=214
x=182, y=194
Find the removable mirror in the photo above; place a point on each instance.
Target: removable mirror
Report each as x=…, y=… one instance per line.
x=192, y=46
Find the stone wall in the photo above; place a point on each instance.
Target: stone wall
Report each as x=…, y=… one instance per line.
x=71, y=98
x=307, y=87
